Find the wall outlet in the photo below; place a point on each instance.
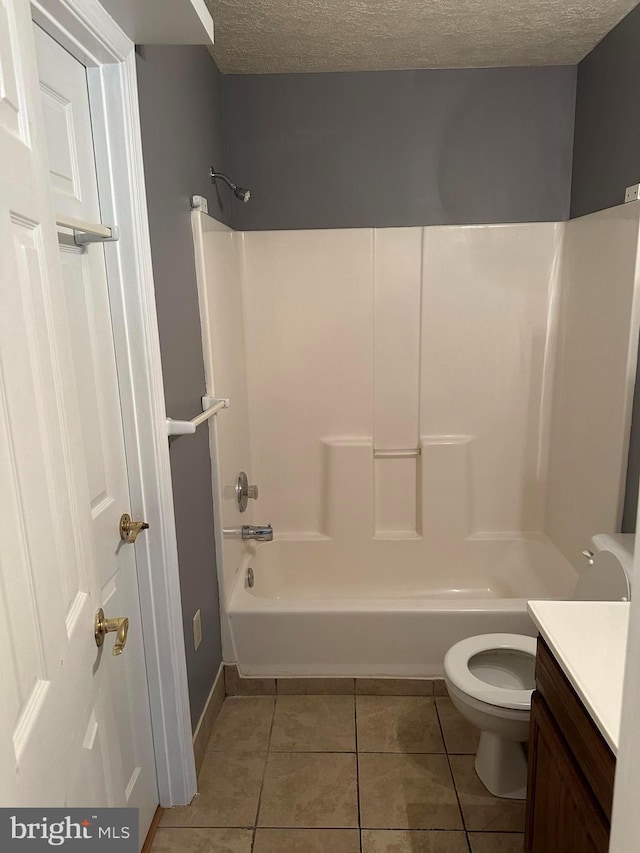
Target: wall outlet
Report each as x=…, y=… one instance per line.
x=197, y=629
x=632, y=193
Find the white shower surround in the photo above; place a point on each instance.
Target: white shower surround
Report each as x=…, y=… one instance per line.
x=335, y=344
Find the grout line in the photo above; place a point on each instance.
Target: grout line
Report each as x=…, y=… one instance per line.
x=416, y=829
x=453, y=778
x=264, y=773
x=352, y=828
x=206, y=826
x=355, y=732
x=348, y=751
x=296, y=752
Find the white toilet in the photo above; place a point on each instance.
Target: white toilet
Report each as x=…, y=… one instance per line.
x=491, y=677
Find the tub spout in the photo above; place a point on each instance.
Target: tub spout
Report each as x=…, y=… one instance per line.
x=261, y=532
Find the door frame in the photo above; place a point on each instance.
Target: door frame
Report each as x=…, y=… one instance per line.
x=86, y=30
x=625, y=818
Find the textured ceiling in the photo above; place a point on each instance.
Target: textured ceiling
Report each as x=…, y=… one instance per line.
x=275, y=36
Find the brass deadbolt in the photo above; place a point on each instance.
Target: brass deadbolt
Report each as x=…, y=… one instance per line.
x=129, y=529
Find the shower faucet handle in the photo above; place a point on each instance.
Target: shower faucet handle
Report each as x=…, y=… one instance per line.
x=244, y=491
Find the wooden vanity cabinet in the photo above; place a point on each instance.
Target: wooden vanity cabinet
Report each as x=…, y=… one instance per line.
x=571, y=769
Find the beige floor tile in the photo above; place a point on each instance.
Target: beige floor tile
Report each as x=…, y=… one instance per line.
x=202, y=841
x=310, y=790
x=236, y=685
x=316, y=686
x=243, y=725
x=481, y=810
x=229, y=787
x=406, y=841
x=496, y=842
x=407, y=792
x=394, y=687
x=397, y=724
x=459, y=735
x=314, y=724
x=307, y=841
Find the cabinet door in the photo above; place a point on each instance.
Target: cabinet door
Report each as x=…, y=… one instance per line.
x=562, y=813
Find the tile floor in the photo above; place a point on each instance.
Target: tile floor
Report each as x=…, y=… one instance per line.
x=341, y=774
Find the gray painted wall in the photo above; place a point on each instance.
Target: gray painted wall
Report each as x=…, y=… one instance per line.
x=606, y=160
x=606, y=156
x=180, y=110
x=400, y=148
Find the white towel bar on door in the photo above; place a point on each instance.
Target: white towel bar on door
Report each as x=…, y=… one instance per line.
x=409, y=453
x=210, y=406
x=88, y=232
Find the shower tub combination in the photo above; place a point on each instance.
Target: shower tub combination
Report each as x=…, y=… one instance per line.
x=380, y=612
x=416, y=406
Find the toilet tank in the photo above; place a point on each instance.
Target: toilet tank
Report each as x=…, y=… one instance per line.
x=608, y=575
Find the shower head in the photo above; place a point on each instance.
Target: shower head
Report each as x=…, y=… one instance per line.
x=239, y=192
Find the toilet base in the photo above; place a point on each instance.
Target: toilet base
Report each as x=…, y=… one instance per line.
x=502, y=766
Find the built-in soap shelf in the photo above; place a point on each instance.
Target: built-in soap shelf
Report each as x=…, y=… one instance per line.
x=405, y=453
x=210, y=407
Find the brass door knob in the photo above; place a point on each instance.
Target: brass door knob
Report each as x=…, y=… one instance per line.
x=129, y=529
x=119, y=626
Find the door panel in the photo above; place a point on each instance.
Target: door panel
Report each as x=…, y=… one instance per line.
x=12, y=116
x=42, y=567
x=74, y=720
x=124, y=709
x=95, y=377
x=63, y=164
x=67, y=125
x=77, y=280
x=85, y=784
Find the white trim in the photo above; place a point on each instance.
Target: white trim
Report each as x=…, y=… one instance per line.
x=204, y=13
x=212, y=693
x=84, y=28
x=110, y=57
x=625, y=818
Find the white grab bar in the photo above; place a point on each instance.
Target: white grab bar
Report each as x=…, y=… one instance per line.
x=409, y=453
x=210, y=406
x=87, y=232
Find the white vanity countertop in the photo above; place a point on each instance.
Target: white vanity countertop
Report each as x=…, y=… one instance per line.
x=589, y=641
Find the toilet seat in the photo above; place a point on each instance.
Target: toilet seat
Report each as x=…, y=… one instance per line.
x=456, y=667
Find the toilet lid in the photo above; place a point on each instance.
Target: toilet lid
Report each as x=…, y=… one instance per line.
x=456, y=667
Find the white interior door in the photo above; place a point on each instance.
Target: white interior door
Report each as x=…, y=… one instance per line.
x=74, y=720
x=72, y=175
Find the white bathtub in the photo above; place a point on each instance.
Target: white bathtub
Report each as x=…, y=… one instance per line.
x=385, y=609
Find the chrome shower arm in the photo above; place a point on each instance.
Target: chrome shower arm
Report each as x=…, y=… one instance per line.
x=240, y=192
